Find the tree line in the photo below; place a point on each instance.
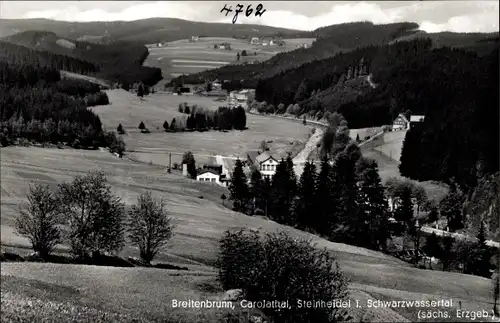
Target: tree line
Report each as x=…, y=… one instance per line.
x=95, y=225
x=224, y=118
x=38, y=106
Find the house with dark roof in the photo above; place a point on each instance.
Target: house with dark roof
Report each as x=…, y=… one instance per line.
x=265, y=162
x=214, y=176
x=400, y=123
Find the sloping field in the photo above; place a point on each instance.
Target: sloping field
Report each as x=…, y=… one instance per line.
x=200, y=222
x=129, y=110
x=393, y=144
x=185, y=57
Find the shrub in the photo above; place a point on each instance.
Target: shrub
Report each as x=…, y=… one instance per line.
x=282, y=268
x=38, y=220
x=149, y=227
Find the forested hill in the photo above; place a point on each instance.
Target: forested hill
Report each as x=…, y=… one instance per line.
x=120, y=63
x=459, y=137
x=330, y=41
x=16, y=54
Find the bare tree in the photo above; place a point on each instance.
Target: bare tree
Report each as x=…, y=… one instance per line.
x=38, y=220
x=149, y=226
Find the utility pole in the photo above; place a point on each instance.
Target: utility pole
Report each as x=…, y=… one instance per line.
x=169, y=162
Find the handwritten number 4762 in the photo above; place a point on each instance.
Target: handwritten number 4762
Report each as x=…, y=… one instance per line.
x=259, y=10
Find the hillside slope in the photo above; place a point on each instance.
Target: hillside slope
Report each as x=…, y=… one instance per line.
x=144, y=31
x=330, y=41
x=117, y=62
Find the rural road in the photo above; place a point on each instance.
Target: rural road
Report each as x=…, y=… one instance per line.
x=455, y=235
x=304, y=154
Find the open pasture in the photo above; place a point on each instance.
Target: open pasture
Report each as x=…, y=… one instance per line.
x=129, y=110
x=186, y=57
x=200, y=223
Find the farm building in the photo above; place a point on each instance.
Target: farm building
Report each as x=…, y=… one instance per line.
x=400, y=123
x=213, y=174
x=195, y=38
x=416, y=119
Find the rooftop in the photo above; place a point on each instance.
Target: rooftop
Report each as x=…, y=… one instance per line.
x=417, y=118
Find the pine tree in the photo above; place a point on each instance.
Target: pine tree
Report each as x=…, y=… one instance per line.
x=325, y=214
x=188, y=159
x=370, y=227
x=238, y=187
x=280, y=194
x=345, y=189
x=173, y=124
x=142, y=126
x=451, y=207
x=304, y=121
x=165, y=126
x=293, y=177
x=349, y=73
x=307, y=196
x=482, y=254
x=140, y=91
x=256, y=190
x=301, y=94
x=404, y=211
x=119, y=129
x=357, y=138
x=432, y=248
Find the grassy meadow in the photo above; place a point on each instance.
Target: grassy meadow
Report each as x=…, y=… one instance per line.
x=129, y=110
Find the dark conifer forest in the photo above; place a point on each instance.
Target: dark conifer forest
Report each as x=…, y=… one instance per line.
x=36, y=105
x=118, y=62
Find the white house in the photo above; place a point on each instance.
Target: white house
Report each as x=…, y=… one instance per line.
x=400, y=123
x=209, y=176
x=265, y=162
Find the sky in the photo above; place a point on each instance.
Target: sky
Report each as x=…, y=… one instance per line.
x=432, y=16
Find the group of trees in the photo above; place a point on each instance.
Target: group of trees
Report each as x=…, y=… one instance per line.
x=37, y=105
x=224, y=118
x=87, y=216
x=344, y=202
x=471, y=257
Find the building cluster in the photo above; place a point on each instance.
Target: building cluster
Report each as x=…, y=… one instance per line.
x=218, y=170
x=266, y=41
x=402, y=123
